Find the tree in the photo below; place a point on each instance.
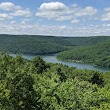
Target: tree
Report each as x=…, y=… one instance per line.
x=39, y=64
x=22, y=95
x=97, y=79
x=62, y=75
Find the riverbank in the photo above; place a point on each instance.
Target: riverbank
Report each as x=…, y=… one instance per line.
x=53, y=59
x=78, y=61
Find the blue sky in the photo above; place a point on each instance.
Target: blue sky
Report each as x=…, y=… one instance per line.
x=55, y=17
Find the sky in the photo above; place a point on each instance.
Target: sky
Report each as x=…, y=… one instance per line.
x=55, y=17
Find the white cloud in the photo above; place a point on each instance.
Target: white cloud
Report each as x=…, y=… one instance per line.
x=59, y=11
x=107, y=9
x=4, y=16
x=106, y=17
x=23, y=22
x=87, y=11
x=105, y=25
x=12, y=22
x=108, y=25
x=14, y=10
x=7, y=6
x=62, y=27
x=49, y=15
x=18, y=20
x=64, y=18
x=61, y=30
x=52, y=6
x=52, y=10
x=25, y=13
x=75, y=21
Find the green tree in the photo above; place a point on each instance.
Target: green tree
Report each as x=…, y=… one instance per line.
x=97, y=79
x=62, y=75
x=39, y=64
x=22, y=95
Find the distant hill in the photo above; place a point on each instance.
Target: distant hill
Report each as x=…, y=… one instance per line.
x=38, y=44
x=32, y=44
x=84, y=41
x=98, y=54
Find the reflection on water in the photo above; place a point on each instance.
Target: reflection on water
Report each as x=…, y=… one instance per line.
x=53, y=59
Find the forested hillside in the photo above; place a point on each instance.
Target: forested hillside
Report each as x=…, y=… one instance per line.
x=85, y=41
x=98, y=54
x=32, y=44
x=37, y=44
x=37, y=85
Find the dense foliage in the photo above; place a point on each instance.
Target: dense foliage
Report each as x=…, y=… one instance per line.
x=37, y=44
x=98, y=54
x=37, y=85
x=85, y=41
x=32, y=44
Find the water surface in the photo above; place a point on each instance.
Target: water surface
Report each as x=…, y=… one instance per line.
x=53, y=59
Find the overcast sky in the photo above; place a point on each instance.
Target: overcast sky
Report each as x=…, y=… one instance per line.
x=55, y=17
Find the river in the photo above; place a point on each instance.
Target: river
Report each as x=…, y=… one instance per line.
x=53, y=59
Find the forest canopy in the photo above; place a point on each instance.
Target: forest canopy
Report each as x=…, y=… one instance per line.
x=37, y=85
